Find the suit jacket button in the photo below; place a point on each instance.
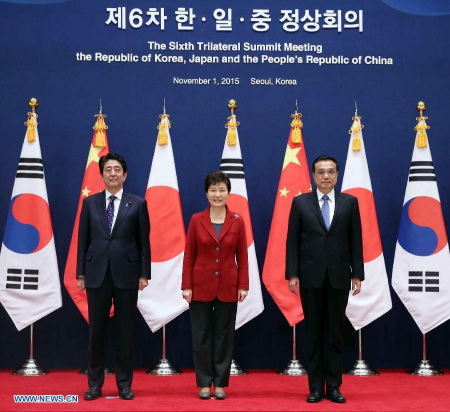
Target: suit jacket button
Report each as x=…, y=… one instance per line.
x=217, y=260
x=217, y=248
x=216, y=273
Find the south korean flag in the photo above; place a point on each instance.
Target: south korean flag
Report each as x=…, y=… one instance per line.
x=421, y=272
x=29, y=279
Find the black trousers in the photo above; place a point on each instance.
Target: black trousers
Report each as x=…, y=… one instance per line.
x=213, y=326
x=324, y=310
x=99, y=306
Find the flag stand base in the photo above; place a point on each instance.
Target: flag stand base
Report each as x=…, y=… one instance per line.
x=425, y=368
x=293, y=368
x=361, y=368
x=236, y=370
x=108, y=371
x=30, y=368
x=164, y=368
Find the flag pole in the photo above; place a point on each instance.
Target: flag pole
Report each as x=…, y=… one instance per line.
x=107, y=371
x=164, y=367
x=361, y=368
x=294, y=367
x=235, y=369
x=30, y=367
x=425, y=367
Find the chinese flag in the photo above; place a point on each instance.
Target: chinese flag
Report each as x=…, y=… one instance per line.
x=92, y=184
x=294, y=181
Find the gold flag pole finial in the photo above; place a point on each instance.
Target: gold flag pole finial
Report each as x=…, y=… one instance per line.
x=296, y=125
x=232, y=105
x=163, y=135
x=232, y=123
x=31, y=122
x=356, y=130
x=33, y=103
x=421, y=127
x=100, y=127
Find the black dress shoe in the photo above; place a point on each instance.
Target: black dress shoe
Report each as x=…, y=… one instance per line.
x=335, y=395
x=92, y=393
x=315, y=397
x=126, y=394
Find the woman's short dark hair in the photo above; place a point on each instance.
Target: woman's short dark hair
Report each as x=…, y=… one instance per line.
x=112, y=156
x=324, y=158
x=217, y=177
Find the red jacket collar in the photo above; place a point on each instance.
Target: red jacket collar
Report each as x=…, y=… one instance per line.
x=230, y=218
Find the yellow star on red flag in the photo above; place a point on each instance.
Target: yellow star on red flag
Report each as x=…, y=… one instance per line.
x=284, y=192
x=85, y=192
x=93, y=155
x=291, y=156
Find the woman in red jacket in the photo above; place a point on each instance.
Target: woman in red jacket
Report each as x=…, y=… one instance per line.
x=215, y=278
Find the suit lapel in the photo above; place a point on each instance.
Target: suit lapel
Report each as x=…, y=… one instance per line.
x=207, y=224
x=123, y=210
x=337, y=209
x=101, y=210
x=229, y=219
x=314, y=204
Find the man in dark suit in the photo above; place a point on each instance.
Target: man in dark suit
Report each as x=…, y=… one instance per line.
x=324, y=259
x=113, y=262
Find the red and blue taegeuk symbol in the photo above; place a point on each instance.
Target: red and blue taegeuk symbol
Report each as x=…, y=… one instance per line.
x=28, y=227
x=422, y=229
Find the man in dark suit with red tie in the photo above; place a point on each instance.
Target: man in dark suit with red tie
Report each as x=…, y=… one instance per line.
x=113, y=262
x=324, y=259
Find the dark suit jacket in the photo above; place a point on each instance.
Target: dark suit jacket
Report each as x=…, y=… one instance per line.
x=209, y=266
x=126, y=248
x=312, y=251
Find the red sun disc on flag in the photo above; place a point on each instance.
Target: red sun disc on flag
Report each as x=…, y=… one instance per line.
x=371, y=235
x=239, y=204
x=167, y=233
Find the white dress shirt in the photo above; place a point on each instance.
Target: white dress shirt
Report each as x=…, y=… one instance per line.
x=331, y=202
x=117, y=200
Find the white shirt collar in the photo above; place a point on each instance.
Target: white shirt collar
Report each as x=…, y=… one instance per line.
x=330, y=195
x=118, y=195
